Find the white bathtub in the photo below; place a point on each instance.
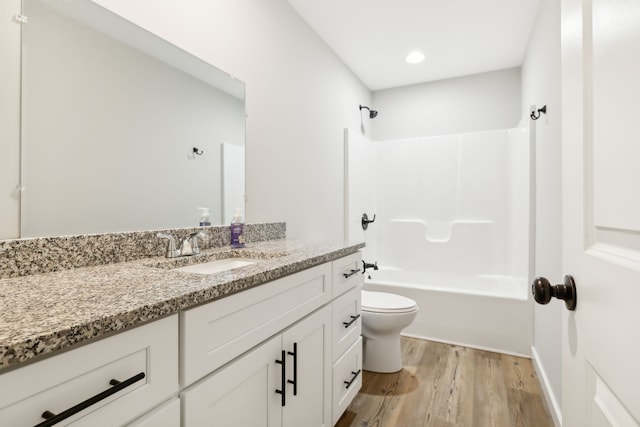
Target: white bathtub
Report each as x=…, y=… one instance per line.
x=486, y=312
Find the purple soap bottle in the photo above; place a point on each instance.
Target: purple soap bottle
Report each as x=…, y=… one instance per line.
x=237, y=230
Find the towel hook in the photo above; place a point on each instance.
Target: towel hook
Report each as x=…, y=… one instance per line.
x=194, y=153
x=541, y=111
x=366, y=221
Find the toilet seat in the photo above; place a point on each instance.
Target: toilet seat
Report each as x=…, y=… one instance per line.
x=383, y=302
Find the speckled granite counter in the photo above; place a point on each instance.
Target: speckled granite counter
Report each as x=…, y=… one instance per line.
x=44, y=313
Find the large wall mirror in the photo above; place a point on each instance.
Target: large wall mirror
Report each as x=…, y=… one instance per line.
x=111, y=115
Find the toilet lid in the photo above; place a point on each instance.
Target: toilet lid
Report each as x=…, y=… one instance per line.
x=382, y=302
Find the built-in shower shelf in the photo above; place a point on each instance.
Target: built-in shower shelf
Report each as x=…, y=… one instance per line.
x=442, y=231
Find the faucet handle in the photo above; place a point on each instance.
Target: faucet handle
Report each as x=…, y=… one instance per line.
x=193, y=241
x=172, y=252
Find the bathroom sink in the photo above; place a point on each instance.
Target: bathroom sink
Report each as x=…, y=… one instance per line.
x=218, y=265
x=216, y=261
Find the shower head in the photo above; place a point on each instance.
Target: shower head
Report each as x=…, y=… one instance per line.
x=372, y=113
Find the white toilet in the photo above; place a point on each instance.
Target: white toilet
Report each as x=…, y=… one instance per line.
x=384, y=316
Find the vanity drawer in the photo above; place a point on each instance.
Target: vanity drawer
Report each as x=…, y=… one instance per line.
x=347, y=321
x=347, y=379
x=217, y=332
x=347, y=273
x=148, y=352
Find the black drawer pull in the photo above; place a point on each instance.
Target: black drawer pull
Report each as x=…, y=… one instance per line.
x=51, y=418
x=355, y=375
x=349, y=323
x=283, y=378
x=351, y=273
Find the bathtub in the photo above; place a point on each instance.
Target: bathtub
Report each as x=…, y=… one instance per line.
x=488, y=312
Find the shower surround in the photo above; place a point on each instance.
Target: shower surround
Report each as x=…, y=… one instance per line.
x=451, y=231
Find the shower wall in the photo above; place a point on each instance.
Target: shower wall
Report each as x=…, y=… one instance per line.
x=451, y=232
x=451, y=204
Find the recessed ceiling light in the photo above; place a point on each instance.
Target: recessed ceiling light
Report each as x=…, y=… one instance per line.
x=415, y=57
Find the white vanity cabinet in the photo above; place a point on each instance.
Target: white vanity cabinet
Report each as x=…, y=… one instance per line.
x=286, y=380
x=213, y=334
x=258, y=389
x=346, y=333
x=234, y=348
x=146, y=355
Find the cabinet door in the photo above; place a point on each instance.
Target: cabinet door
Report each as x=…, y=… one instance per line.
x=308, y=348
x=242, y=393
x=167, y=415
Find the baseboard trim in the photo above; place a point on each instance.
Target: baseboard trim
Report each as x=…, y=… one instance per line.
x=552, y=402
x=462, y=344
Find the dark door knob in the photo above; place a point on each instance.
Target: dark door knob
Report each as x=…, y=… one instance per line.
x=542, y=291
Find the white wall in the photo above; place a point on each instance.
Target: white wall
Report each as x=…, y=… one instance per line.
x=300, y=97
x=540, y=86
x=480, y=102
x=9, y=120
x=361, y=191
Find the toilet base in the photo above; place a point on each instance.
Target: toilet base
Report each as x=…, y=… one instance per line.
x=382, y=355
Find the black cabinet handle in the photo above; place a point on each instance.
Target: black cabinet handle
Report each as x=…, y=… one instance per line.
x=295, y=369
x=51, y=418
x=355, y=375
x=283, y=378
x=351, y=273
x=349, y=323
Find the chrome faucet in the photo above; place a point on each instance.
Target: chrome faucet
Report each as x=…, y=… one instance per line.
x=188, y=246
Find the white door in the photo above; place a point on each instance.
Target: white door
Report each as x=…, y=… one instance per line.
x=601, y=211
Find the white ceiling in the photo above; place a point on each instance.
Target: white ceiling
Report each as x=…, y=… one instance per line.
x=458, y=37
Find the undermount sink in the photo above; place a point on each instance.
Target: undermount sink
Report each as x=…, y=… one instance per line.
x=218, y=265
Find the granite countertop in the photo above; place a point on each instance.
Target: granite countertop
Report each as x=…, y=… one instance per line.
x=44, y=313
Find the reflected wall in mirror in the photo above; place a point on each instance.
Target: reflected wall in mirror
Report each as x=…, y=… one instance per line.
x=111, y=115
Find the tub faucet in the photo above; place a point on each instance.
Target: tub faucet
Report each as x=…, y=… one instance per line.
x=366, y=265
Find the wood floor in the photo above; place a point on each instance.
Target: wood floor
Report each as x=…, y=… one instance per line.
x=445, y=385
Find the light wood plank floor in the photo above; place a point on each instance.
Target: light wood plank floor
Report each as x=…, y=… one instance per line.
x=445, y=385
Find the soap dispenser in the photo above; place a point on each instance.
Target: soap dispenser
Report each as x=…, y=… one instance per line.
x=205, y=217
x=237, y=230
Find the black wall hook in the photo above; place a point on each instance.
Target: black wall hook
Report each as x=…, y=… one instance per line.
x=198, y=152
x=541, y=111
x=366, y=221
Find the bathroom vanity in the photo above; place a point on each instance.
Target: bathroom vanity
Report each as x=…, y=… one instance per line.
x=273, y=343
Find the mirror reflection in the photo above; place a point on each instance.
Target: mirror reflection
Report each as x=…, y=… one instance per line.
x=122, y=131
